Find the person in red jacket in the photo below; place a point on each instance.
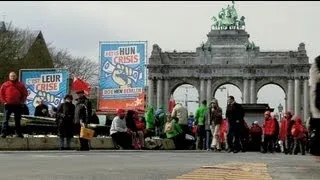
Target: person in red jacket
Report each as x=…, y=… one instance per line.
x=256, y=136
x=298, y=132
x=140, y=131
x=269, y=130
x=13, y=95
x=285, y=134
x=223, y=133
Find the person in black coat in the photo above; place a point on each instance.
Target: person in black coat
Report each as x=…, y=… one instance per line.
x=235, y=115
x=94, y=118
x=41, y=110
x=64, y=119
x=82, y=118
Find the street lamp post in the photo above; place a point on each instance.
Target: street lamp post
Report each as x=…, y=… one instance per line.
x=224, y=88
x=280, y=108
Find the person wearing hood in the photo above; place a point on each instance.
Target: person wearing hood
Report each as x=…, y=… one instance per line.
x=299, y=132
x=13, y=95
x=149, y=117
x=200, y=122
x=159, y=118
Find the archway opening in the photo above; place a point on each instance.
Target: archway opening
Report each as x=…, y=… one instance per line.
x=274, y=95
x=188, y=96
x=222, y=93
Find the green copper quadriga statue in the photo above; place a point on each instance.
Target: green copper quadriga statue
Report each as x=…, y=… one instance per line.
x=228, y=19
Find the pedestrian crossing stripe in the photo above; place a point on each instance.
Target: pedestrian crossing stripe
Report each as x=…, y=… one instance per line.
x=229, y=171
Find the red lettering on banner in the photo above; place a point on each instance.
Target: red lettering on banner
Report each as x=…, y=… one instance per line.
x=47, y=87
x=126, y=59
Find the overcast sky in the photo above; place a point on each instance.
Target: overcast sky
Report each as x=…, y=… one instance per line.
x=79, y=26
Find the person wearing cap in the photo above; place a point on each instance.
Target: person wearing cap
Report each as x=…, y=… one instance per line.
x=119, y=132
x=269, y=130
x=256, y=136
x=234, y=114
x=64, y=120
x=83, y=111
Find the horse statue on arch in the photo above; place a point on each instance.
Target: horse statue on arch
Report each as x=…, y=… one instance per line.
x=216, y=23
x=241, y=22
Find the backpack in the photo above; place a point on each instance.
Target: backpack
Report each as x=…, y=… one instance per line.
x=168, y=127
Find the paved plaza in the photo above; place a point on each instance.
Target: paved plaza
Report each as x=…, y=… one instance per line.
x=154, y=165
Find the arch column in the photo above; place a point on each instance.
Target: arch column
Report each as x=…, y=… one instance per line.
x=166, y=94
x=290, y=96
x=306, y=108
x=297, y=97
x=246, y=90
x=253, y=95
x=150, y=91
x=202, y=90
x=159, y=92
x=209, y=90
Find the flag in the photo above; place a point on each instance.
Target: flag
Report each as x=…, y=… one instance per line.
x=172, y=102
x=78, y=85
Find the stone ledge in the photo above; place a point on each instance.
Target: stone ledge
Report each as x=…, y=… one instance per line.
x=52, y=143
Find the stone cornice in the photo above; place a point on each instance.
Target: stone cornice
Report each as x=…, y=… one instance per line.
x=227, y=66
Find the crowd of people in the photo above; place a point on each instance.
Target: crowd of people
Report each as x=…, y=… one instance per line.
x=69, y=117
x=211, y=131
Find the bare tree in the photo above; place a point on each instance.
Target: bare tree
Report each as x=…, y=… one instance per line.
x=13, y=43
x=81, y=67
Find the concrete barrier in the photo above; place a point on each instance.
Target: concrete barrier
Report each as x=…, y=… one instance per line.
x=102, y=143
x=52, y=143
x=14, y=143
x=43, y=143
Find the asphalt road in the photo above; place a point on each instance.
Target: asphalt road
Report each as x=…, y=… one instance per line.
x=118, y=165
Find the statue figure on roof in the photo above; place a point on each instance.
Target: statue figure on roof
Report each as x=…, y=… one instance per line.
x=228, y=19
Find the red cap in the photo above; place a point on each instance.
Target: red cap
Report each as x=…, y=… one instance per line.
x=120, y=112
x=267, y=113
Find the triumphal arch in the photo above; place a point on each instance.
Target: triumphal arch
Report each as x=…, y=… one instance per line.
x=228, y=57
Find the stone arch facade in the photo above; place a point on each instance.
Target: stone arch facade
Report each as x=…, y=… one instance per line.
x=226, y=59
x=220, y=82
x=175, y=83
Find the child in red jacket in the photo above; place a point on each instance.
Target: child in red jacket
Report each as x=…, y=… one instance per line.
x=299, y=132
x=141, y=130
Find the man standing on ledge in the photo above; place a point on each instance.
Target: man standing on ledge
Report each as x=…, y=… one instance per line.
x=13, y=94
